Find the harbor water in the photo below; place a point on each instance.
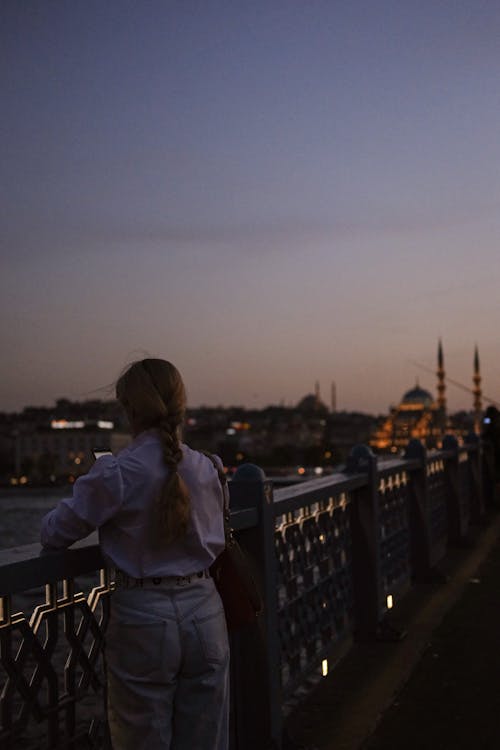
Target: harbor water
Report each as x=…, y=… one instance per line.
x=22, y=510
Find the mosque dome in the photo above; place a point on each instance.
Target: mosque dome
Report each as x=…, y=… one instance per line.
x=311, y=404
x=417, y=397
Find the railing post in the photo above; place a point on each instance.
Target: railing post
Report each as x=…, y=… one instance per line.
x=477, y=507
x=365, y=531
x=420, y=537
x=255, y=649
x=457, y=523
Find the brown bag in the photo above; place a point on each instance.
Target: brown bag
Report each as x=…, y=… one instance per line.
x=232, y=575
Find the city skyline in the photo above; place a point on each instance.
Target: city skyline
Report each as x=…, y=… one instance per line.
x=106, y=395
x=267, y=194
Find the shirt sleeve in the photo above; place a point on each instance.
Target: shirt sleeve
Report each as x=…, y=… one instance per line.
x=97, y=496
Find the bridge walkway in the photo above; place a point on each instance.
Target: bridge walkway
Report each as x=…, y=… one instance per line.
x=438, y=688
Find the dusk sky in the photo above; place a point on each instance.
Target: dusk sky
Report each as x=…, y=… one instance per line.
x=265, y=193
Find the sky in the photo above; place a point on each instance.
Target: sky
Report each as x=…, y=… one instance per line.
x=268, y=194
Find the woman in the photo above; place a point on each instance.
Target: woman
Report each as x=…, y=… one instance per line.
x=158, y=506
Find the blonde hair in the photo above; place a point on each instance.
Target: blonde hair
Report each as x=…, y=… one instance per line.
x=153, y=395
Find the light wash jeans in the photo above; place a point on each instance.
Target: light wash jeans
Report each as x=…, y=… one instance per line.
x=167, y=656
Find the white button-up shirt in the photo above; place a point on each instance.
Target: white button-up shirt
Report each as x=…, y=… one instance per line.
x=118, y=497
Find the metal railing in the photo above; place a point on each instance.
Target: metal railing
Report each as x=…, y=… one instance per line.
x=332, y=556
x=52, y=641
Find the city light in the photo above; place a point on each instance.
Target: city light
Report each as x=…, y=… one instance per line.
x=390, y=602
x=324, y=667
x=78, y=424
x=301, y=470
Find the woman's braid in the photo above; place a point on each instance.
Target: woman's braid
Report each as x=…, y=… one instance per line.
x=173, y=503
x=172, y=453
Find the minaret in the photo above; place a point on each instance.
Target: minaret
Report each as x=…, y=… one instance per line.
x=476, y=379
x=317, y=397
x=441, y=385
x=334, y=397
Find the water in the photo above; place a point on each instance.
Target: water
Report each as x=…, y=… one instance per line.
x=22, y=510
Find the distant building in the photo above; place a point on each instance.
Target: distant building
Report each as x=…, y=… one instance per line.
x=417, y=416
x=312, y=405
x=62, y=450
x=420, y=416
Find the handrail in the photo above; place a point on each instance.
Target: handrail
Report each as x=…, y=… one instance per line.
x=28, y=567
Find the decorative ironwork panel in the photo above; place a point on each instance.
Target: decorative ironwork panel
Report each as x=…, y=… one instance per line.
x=52, y=671
x=394, y=535
x=437, y=489
x=315, y=593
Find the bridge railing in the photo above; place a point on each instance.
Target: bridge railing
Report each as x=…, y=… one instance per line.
x=332, y=555
x=337, y=553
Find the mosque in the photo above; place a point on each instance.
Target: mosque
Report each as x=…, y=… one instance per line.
x=421, y=416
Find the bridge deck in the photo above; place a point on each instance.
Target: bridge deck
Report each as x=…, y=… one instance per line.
x=438, y=687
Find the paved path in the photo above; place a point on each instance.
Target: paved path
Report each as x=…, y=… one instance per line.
x=439, y=687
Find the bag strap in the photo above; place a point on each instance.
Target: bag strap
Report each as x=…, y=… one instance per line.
x=223, y=482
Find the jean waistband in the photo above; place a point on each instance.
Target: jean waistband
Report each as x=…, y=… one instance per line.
x=128, y=582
